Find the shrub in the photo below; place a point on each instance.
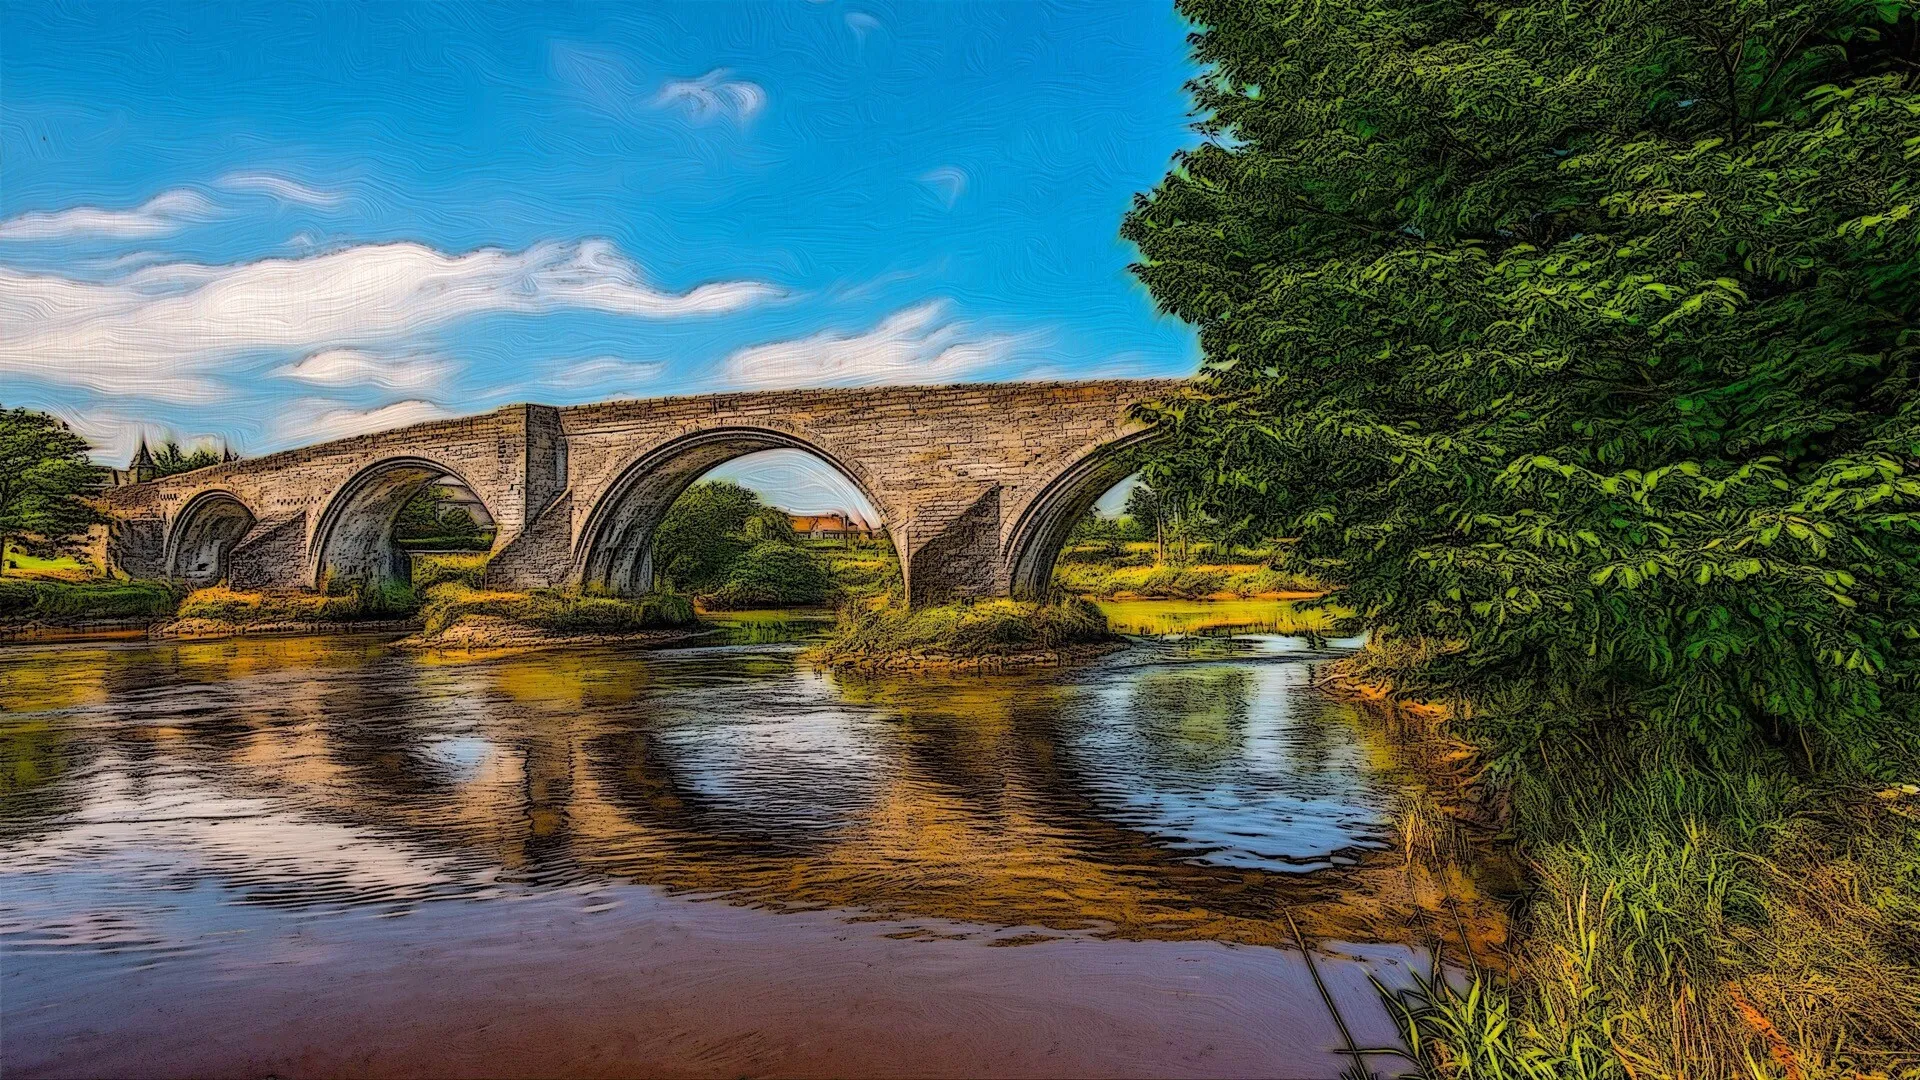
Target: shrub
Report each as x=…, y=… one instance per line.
x=981, y=628
x=569, y=612
x=46, y=599
x=772, y=574
x=389, y=600
x=431, y=570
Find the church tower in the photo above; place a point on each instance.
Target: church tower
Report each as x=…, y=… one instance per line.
x=142, y=464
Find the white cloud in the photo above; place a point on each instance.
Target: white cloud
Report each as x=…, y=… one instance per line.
x=713, y=96
x=605, y=369
x=948, y=182
x=352, y=367
x=279, y=187
x=306, y=422
x=798, y=482
x=166, y=212
x=914, y=345
x=162, y=328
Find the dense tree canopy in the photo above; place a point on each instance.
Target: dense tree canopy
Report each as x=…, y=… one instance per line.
x=435, y=517
x=703, y=532
x=44, y=473
x=1575, y=341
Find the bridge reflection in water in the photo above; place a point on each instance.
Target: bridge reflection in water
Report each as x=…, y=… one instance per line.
x=158, y=795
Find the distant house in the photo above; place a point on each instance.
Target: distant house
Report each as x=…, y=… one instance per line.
x=828, y=526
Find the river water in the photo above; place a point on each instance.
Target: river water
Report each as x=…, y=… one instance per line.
x=324, y=856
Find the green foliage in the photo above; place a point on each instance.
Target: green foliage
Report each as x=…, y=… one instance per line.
x=352, y=603
x=769, y=525
x=982, y=628
x=703, y=533
x=44, y=473
x=557, y=610
x=1578, y=343
x=773, y=573
x=867, y=569
x=28, y=599
x=434, y=516
x=170, y=459
x=720, y=543
x=1693, y=923
x=1177, y=582
x=431, y=570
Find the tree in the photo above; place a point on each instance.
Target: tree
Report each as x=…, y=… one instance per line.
x=170, y=459
x=1576, y=343
x=703, y=533
x=1147, y=510
x=769, y=525
x=435, y=515
x=44, y=474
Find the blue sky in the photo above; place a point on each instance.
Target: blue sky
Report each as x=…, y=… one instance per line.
x=274, y=224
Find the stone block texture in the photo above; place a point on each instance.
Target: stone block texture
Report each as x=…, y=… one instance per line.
x=976, y=484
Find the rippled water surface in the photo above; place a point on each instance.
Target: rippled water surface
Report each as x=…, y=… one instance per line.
x=252, y=855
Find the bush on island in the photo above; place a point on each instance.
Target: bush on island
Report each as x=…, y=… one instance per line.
x=772, y=574
x=979, y=628
x=556, y=610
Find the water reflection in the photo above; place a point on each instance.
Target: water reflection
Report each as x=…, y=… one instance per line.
x=1149, y=795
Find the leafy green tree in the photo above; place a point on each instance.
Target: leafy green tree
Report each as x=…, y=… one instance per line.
x=769, y=525
x=1146, y=508
x=44, y=475
x=703, y=533
x=1577, y=342
x=170, y=459
x=434, y=514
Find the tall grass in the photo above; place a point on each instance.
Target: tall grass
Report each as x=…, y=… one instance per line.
x=1177, y=582
x=466, y=569
x=980, y=628
x=1708, y=922
x=45, y=598
x=387, y=600
x=561, y=611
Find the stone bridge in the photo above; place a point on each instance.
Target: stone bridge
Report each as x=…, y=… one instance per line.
x=977, y=485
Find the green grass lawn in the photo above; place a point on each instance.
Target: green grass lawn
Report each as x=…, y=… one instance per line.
x=65, y=567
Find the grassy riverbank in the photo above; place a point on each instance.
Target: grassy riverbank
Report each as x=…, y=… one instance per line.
x=988, y=634
x=58, y=601
x=1129, y=570
x=1735, y=918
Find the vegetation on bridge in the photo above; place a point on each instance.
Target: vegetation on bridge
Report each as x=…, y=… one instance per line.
x=1576, y=346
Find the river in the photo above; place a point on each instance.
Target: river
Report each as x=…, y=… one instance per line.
x=323, y=856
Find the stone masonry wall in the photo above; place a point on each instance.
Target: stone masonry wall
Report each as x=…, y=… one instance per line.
x=951, y=469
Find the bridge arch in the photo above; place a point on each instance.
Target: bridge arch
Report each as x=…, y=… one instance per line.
x=1040, y=530
x=203, y=535
x=615, y=549
x=353, y=535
